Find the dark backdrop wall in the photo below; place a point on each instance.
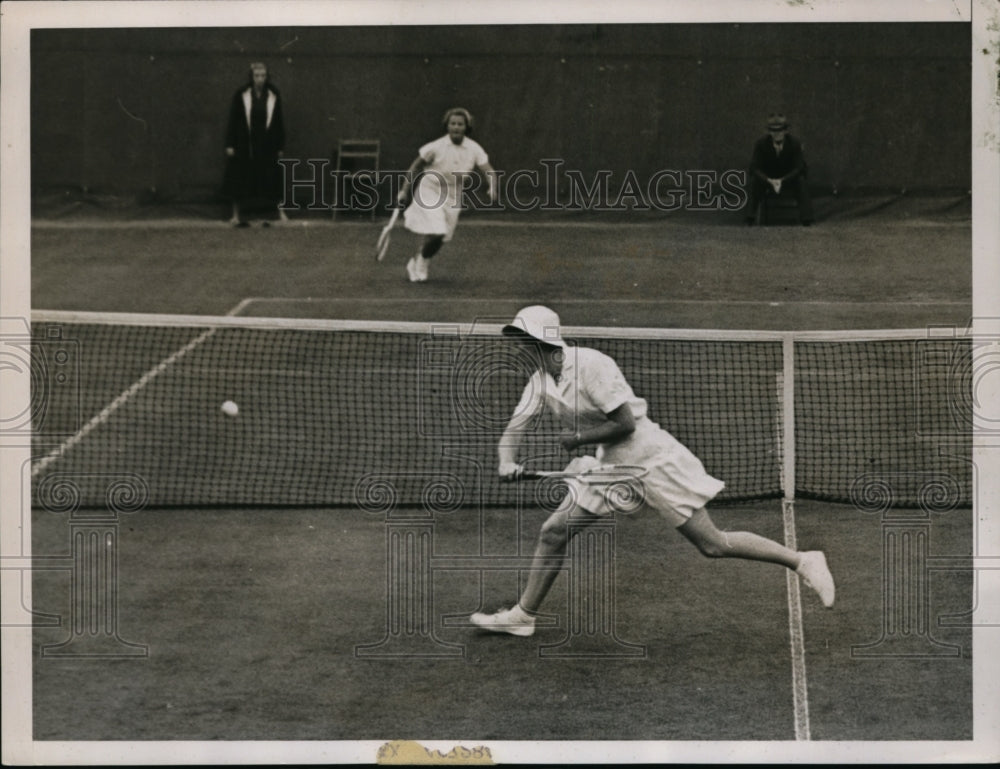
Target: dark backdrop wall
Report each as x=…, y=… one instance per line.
x=879, y=106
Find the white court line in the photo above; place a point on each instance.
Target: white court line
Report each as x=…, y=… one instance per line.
x=123, y=398
x=800, y=689
x=243, y=303
x=785, y=382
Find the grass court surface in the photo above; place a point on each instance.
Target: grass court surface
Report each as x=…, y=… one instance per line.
x=251, y=615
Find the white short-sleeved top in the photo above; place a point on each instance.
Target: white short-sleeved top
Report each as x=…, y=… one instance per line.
x=446, y=159
x=590, y=386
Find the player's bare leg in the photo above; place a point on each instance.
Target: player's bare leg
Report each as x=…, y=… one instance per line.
x=701, y=531
x=417, y=267
x=430, y=246
x=549, y=551
x=547, y=562
x=712, y=542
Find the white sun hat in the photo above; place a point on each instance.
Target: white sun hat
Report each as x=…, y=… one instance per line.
x=539, y=322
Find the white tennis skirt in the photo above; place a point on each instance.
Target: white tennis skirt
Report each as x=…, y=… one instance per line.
x=434, y=209
x=675, y=485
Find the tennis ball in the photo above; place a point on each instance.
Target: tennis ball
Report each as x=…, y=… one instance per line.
x=230, y=409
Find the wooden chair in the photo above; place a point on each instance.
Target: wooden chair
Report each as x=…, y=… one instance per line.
x=777, y=208
x=356, y=157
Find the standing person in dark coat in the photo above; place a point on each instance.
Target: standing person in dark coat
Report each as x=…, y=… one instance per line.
x=778, y=163
x=255, y=139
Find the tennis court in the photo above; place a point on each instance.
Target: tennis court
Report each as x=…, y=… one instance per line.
x=253, y=576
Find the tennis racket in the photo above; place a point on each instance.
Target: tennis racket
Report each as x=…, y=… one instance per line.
x=382, y=245
x=601, y=474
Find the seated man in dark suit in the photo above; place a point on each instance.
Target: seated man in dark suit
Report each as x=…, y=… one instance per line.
x=778, y=164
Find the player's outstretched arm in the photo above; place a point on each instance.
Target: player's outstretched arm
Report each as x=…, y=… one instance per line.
x=508, y=468
x=412, y=172
x=491, y=180
x=507, y=450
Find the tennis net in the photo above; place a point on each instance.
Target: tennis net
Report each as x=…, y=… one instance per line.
x=355, y=413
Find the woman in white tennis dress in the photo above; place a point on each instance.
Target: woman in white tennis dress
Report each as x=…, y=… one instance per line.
x=588, y=394
x=437, y=199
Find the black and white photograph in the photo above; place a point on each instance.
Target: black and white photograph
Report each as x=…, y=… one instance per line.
x=438, y=382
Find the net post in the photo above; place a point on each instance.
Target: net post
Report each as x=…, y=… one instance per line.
x=788, y=420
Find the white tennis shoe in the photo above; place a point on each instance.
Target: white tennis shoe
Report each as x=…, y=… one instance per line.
x=411, y=270
x=515, y=621
x=815, y=573
x=416, y=268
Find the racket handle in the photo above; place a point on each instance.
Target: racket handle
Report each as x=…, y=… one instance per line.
x=532, y=475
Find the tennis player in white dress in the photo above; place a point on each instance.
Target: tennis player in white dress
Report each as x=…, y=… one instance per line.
x=588, y=394
x=441, y=166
